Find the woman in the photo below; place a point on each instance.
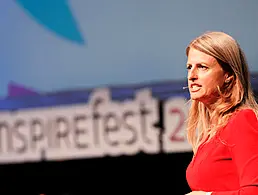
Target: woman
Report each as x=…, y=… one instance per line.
x=222, y=126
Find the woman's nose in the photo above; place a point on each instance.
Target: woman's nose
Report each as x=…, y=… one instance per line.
x=192, y=75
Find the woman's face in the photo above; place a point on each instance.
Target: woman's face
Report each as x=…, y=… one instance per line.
x=204, y=75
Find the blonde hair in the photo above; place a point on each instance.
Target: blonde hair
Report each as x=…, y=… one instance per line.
x=235, y=95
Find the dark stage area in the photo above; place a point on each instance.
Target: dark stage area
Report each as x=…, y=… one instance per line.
x=110, y=175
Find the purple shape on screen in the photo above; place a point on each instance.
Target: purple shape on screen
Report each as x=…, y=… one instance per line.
x=15, y=89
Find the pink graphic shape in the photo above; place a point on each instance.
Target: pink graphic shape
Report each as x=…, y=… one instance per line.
x=15, y=89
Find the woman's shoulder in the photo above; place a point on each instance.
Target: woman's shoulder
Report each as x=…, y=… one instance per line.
x=243, y=115
x=241, y=123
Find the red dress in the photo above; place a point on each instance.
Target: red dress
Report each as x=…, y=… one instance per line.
x=228, y=164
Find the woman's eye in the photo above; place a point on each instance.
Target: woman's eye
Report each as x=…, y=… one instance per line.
x=202, y=67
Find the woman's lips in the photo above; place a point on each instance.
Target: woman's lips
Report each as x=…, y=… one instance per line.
x=195, y=87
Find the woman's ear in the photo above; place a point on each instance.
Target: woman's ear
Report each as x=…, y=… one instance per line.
x=228, y=78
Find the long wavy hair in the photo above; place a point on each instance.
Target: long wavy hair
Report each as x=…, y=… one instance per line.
x=234, y=95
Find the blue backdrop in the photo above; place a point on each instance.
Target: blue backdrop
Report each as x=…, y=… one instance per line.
x=57, y=45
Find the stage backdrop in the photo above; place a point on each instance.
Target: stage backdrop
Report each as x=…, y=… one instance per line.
x=87, y=79
x=56, y=45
